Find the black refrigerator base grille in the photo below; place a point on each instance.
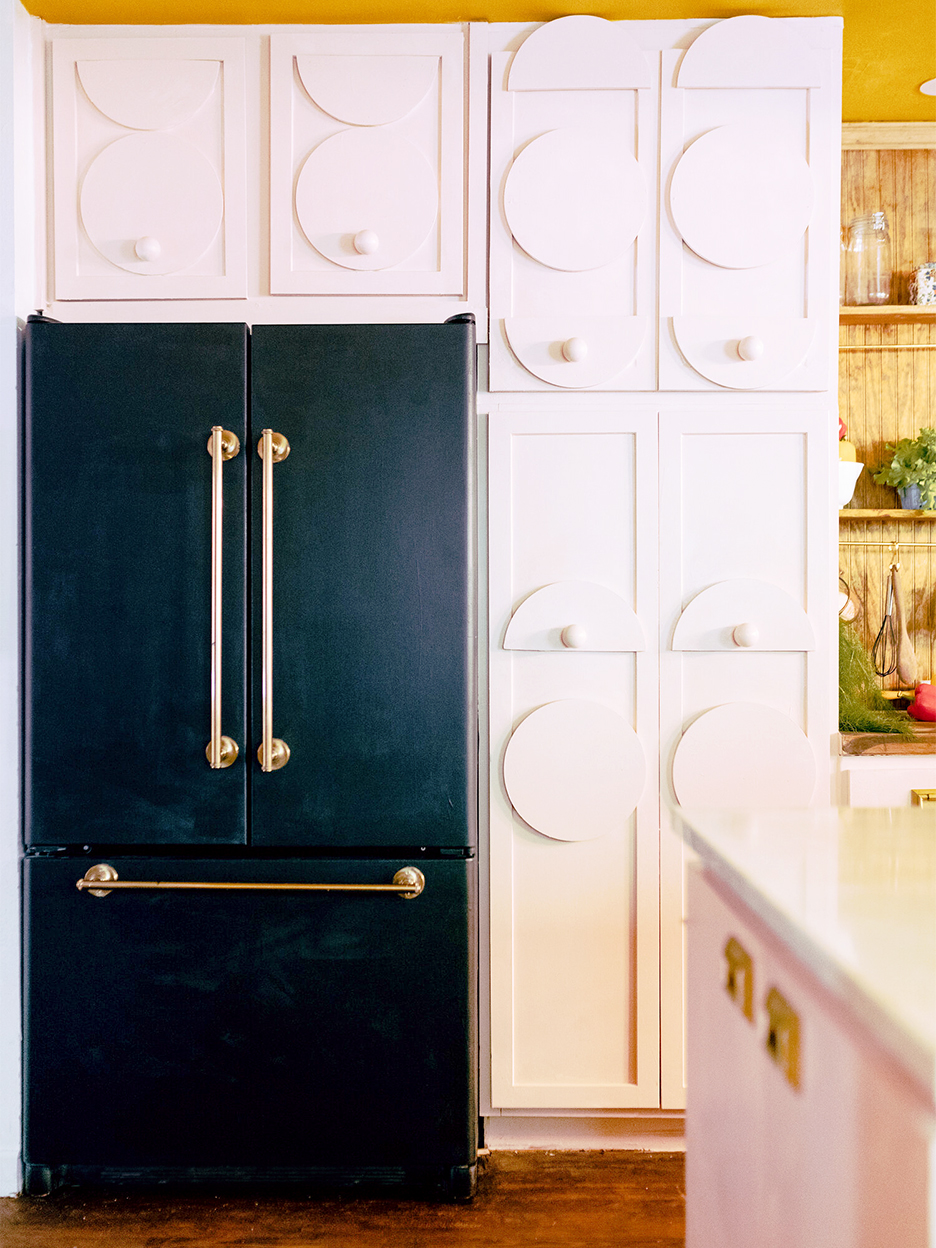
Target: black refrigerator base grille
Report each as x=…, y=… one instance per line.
x=446, y=1183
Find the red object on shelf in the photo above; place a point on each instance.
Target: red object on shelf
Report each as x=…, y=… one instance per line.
x=923, y=706
x=843, y=429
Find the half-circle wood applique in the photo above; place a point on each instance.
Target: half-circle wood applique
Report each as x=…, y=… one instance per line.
x=151, y=203
x=367, y=199
x=574, y=770
x=744, y=352
x=574, y=615
x=743, y=614
x=579, y=53
x=575, y=352
x=744, y=754
x=749, y=51
x=741, y=196
x=597, y=202
x=367, y=90
x=148, y=95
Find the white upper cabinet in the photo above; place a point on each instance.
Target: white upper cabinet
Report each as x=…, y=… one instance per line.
x=149, y=168
x=734, y=181
x=368, y=161
x=573, y=207
x=748, y=137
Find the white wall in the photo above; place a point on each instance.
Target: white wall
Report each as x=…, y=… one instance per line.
x=18, y=44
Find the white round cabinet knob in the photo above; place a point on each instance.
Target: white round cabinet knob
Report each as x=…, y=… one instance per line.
x=574, y=350
x=751, y=348
x=574, y=636
x=147, y=248
x=366, y=242
x=745, y=634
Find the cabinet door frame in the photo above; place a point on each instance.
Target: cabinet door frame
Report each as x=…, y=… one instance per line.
x=633, y=295
x=450, y=43
x=556, y=416
x=227, y=279
x=815, y=424
x=815, y=298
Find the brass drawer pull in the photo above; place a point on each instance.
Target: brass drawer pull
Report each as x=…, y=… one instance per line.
x=102, y=879
x=272, y=752
x=221, y=751
x=739, y=979
x=783, y=1035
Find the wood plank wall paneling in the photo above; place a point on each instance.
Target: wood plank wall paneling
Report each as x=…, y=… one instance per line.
x=885, y=395
x=903, y=185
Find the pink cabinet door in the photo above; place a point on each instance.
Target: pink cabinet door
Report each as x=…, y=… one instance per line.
x=148, y=141
x=368, y=141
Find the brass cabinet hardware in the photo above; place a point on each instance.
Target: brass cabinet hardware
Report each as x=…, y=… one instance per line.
x=739, y=980
x=922, y=797
x=783, y=1035
x=221, y=751
x=102, y=879
x=272, y=752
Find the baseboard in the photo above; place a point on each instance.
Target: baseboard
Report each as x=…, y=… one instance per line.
x=663, y=1133
x=9, y=1174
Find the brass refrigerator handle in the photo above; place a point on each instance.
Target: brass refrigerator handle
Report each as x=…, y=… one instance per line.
x=221, y=751
x=272, y=753
x=102, y=879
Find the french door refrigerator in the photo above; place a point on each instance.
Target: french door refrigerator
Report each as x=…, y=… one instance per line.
x=249, y=754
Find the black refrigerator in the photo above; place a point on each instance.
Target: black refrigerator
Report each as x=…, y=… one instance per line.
x=249, y=754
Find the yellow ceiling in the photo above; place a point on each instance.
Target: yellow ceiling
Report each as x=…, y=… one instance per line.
x=890, y=45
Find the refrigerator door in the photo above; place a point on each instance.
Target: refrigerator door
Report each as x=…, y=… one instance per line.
x=249, y=1033
x=372, y=632
x=117, y=571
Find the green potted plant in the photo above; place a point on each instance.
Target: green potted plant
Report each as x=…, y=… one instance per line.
x=912, y=464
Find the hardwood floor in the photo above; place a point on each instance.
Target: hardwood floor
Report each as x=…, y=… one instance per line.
x=607, y=1199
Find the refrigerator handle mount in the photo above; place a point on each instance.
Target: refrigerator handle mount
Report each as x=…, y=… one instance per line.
x=221, y=751
x=272, y=753
x=101, y=879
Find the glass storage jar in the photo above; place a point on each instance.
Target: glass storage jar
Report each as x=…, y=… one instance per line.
x=868, y=271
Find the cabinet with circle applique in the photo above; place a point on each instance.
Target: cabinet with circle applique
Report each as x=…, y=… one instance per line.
x=149, y=169
x=660, y=567
x=367, y=161
x=661, y=200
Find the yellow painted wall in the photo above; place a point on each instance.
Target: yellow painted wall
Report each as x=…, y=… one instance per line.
x=890, y=45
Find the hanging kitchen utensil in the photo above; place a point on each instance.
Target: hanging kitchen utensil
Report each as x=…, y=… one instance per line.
x=906, y=658
x=884, y=650
x=847, y=605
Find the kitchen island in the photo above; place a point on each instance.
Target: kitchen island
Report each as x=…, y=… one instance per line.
x=811, y=1014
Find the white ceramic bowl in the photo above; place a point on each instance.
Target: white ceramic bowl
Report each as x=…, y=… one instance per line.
x=849, y=472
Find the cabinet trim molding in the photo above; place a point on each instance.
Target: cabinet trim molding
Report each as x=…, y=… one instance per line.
x=889, y=135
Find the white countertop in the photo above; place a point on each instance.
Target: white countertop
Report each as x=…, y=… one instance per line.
x=852, y=894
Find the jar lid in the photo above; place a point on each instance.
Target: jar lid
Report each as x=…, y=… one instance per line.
x=871, y=221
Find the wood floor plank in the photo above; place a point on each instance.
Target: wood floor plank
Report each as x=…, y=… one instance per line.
x=608, y=1199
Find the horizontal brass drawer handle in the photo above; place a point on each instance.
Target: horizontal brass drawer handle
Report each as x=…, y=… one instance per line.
x=102, y=879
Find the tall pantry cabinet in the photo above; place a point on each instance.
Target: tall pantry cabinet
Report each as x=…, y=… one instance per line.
x=660, y=405
x=663, y=205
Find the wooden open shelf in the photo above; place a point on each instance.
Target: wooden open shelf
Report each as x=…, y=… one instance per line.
x=871, y=744
x=889, y=314
x=895, y=513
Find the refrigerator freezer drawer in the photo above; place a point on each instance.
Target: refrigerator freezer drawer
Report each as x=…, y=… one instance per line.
x=250, y=1033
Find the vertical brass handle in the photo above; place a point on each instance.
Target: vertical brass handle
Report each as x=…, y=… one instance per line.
x=272, y=753
x=221, y=751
